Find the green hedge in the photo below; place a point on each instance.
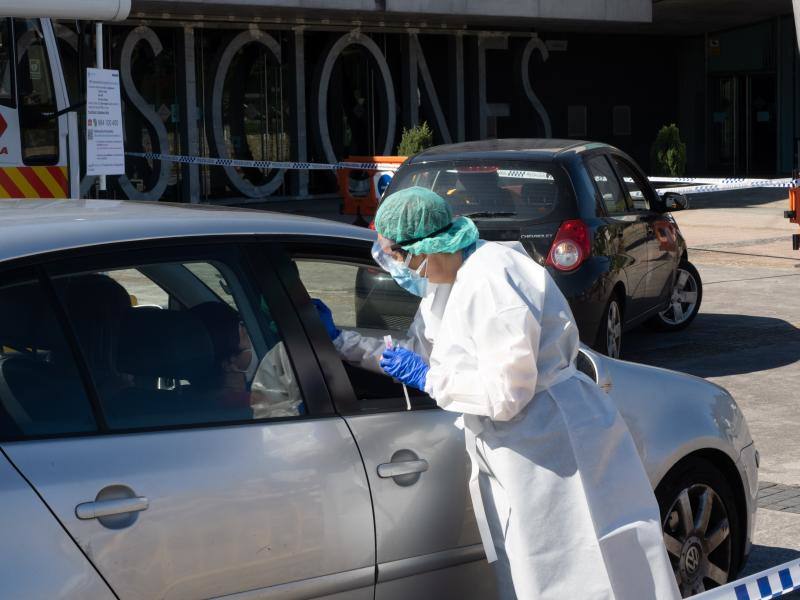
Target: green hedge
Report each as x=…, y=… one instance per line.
x=668, y=154
x=415, y=140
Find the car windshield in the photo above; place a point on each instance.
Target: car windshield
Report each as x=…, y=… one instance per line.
x=500, y=189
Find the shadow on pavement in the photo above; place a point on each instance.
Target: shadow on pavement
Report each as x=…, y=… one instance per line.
x=764, y=557
x=717, y=344
x=737, y=198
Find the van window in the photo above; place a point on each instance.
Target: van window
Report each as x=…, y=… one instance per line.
x=37, y=100
x=6, y=65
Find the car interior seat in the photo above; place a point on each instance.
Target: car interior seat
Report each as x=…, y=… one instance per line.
x=95, y=304
x=40, y=388
x=156, y=344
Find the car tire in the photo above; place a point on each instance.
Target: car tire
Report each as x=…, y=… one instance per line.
x=609, y=335
x=703, y=555
x=689, y=287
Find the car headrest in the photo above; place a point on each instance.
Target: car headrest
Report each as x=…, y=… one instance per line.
x=163, y=343
x=95, y=294
x=26, y=319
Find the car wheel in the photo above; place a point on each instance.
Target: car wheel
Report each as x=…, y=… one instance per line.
x=701, y=526
x=609, y=336
x=684, y=303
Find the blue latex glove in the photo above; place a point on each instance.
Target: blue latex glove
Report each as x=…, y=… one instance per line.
x=326, y=316
x=406, y=366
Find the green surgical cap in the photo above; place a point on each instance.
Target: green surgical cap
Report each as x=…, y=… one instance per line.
x=416, y=213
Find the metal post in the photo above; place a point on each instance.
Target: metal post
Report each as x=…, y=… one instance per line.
x=98, y=43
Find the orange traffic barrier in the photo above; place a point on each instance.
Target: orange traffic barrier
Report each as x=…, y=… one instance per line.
x=360, y=187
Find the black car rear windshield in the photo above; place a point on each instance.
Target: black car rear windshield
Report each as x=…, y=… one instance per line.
x=501, y=189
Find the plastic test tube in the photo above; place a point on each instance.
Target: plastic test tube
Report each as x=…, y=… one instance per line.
x=387, y=339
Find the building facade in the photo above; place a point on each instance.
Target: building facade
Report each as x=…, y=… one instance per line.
x=320, y=80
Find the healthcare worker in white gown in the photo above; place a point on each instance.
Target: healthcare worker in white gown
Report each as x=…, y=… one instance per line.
x=563, y=503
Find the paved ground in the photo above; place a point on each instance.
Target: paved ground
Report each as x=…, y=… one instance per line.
x=747, y=339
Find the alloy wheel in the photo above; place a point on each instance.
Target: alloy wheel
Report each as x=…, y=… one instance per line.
x=683, y=301
x=698, y=539
x=613, y=329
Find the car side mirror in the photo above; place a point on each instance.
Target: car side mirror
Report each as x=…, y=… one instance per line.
x=673, y=201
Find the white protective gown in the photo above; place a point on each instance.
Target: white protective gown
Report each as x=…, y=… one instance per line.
x=559, y=491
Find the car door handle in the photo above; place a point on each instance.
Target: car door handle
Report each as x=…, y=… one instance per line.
x=406, y=467
x=106, y=508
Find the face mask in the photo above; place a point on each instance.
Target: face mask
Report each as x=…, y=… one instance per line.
x=407, y=278
x=250, y=371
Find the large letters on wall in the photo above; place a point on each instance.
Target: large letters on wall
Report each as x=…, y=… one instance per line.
x=324, y=79
x=146, y=34
x=236, y=179
x=449, y=122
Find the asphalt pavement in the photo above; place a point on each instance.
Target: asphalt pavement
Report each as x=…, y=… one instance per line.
x=746, y=338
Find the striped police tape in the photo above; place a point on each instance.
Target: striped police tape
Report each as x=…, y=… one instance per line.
x=697, y=185
x=771, y=583
x=715, y=180
x=262, y=164
x=702, y=185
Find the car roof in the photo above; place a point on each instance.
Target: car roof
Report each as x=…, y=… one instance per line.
x=30, y=227
x=530, y=148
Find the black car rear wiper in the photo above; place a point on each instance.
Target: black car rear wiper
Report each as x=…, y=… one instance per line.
x=489, y=215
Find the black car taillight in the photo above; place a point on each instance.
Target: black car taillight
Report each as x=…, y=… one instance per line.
x=570, y=247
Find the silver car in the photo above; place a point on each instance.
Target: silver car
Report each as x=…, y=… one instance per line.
x=175, y=422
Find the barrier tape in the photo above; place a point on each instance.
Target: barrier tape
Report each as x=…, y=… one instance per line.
x=262, y=164
x=771, y=583
x=715, y=180
x=722, y=187
x=700, y=185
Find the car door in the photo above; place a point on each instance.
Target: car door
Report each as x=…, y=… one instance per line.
x=173, y=471
x=662, y=248
x=426, y=537
x=627, y=228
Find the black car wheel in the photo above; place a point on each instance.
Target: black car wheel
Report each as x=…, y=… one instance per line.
x=701, y=526
x=609, y=336
x=684, y=302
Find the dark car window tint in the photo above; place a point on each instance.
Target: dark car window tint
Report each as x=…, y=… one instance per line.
x=636, y=188
x=519, y=189
x=366, y=300
x=41, y=392
x=163, y=350
x=607, y=184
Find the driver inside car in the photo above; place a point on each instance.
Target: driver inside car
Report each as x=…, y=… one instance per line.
x=267, y=387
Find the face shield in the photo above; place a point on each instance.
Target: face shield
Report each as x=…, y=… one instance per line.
x=396, y=264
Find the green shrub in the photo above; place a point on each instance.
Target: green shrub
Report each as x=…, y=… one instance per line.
x=415, y=140
x=668, y=154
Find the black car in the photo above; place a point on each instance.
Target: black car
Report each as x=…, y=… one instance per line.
x=584, y=210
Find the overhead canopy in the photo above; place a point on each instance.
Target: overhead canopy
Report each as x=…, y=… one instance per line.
x=94, y=10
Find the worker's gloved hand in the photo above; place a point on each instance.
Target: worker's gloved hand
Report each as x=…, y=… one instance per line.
x=406, y=366
x=326, y=316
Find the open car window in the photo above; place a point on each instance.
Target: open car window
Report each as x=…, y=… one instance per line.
x=164, y=350
x=365, y=301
